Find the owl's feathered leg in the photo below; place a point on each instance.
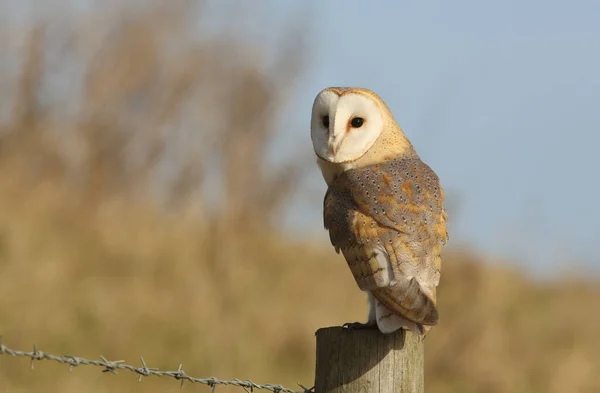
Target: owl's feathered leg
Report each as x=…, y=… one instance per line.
x=371, y=322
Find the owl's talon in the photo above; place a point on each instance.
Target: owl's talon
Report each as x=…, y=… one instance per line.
x=359, y=325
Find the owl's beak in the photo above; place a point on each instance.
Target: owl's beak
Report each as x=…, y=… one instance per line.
x=334, y=144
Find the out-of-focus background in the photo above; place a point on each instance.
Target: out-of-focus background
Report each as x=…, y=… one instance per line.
x=159, y=197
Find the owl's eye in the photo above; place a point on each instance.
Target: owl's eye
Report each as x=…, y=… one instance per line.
x=357, y=122
x=326, y=121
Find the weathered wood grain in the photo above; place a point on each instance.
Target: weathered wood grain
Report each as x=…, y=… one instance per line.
x=367, y=361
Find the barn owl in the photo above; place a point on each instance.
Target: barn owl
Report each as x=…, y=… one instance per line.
x=383, y=208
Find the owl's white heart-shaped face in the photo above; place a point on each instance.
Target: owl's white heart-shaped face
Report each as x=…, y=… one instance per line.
x=344, y=126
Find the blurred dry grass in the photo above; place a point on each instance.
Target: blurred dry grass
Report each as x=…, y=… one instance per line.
x=110, y=244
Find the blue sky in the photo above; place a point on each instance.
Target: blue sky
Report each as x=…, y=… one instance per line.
x=501, y=99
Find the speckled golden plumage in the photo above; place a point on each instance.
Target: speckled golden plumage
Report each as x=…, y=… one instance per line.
x=396, y=205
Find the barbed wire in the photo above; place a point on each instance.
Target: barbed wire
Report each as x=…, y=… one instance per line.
x=144, y=371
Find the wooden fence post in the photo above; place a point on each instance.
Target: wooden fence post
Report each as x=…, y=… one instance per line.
x=367, y=361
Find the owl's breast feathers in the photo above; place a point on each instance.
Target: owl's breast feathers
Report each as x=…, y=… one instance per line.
x=389, y=222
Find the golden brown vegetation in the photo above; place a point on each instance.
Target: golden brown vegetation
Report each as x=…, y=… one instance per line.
x=101, y=252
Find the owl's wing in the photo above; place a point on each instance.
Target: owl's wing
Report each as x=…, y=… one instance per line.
x=388, y=220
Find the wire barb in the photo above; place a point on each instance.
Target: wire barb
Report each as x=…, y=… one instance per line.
x=144, y=371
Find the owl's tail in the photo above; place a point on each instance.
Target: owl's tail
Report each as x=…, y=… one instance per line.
x=388, y=321
x=408, y=300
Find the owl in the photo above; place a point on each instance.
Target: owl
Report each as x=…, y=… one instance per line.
x=383, y=208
